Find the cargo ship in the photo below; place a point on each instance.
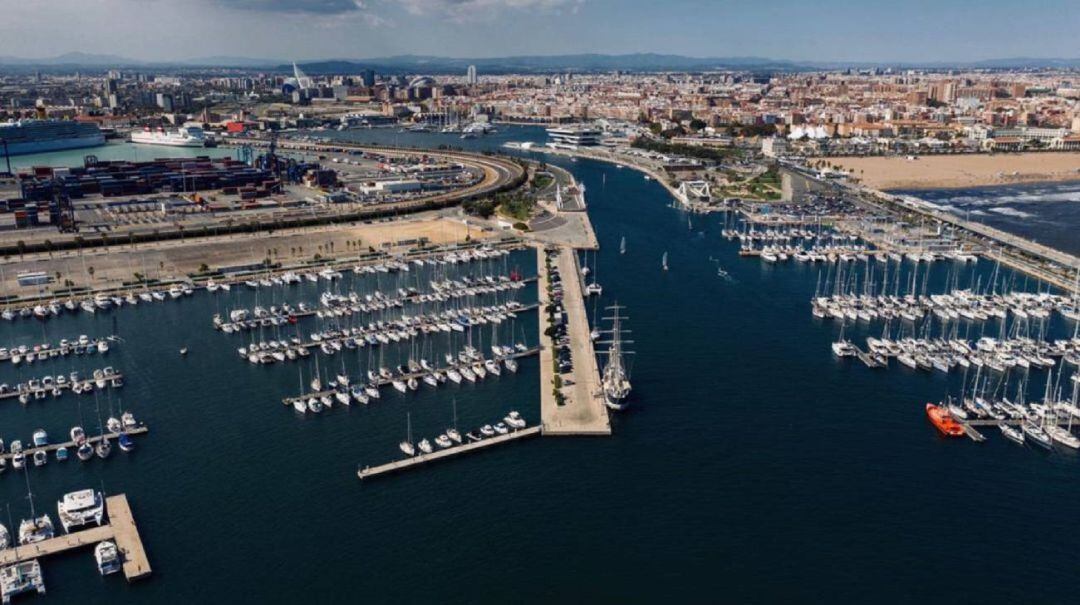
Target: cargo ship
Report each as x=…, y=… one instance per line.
x=37, y=136
x=185, y=136
x=941, y=420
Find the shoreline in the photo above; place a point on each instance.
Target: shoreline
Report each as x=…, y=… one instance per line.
x=916, y=190
x=962, y=171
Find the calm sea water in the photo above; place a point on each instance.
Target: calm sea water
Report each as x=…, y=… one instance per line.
x=1048, y=213
x=752, y=467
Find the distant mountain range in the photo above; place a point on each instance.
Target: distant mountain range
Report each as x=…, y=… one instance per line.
x=640, y=62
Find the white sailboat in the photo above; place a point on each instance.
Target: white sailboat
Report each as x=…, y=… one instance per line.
x=663, y=262
x=622, y=245
x=407, y=446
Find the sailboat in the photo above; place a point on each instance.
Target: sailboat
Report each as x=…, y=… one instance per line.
x=622, y=245
x=663, y=262
x=34, y=529
x=452, y=432
x=615, y=380
x=407, y=446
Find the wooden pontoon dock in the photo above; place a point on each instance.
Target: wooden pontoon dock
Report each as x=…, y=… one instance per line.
x=121, y=528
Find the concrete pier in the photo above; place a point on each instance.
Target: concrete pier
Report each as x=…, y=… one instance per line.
x=583, y=411
x=121, y=528
x=399, y=465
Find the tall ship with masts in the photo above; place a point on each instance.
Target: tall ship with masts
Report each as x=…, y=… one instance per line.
x=615, y=380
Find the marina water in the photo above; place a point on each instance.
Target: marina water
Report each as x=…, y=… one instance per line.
x=753, y=466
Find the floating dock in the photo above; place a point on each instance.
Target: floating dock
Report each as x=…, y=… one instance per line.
x=288, y=401
x=109, y=384
x=121, y=528
x=399, y=465
x=396, y=302
x=866, y=358
x=71, y=445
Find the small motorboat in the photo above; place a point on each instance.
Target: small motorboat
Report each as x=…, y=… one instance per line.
x=126, y=442
x=41, y=438
x=103, y=448
x=107, y=556
x=62, y=454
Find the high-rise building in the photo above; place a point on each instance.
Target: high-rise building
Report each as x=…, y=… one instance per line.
x=470, y=74
x=165, y=101
x=368, y=76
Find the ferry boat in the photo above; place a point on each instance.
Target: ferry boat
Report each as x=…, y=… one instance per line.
x=36, y=136
x=941, y=420
x=615, y=381
x=80, y=508
x=185, y=136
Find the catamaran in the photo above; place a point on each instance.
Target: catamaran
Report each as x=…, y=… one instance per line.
x=615, y=380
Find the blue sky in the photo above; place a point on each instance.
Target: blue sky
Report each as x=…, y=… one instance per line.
x=845, y=30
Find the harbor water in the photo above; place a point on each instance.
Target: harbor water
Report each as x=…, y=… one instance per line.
x=1048, y=213
x=752, y=464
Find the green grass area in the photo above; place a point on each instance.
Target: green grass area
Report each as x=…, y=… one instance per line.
x=542, y=181
x=519, y=208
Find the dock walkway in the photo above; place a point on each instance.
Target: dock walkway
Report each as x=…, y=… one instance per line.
x=382, y=382
x=112, y=381
x=583, y=411
x=139, y=430
x=121, y=528
x=867, y=359
x=456, y=450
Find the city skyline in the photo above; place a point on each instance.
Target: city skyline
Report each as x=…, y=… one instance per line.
x=306, y=30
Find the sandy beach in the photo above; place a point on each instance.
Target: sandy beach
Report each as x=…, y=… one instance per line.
x=958, y=171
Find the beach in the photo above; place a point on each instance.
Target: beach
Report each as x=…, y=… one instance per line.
x=958, y=171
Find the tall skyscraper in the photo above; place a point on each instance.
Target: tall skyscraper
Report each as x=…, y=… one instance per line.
x=470, y=74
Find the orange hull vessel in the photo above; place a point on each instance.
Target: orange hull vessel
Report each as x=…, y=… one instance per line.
x=943, y=421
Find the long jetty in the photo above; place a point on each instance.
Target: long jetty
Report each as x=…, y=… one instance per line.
x=138, y=430
x=413, y=461
x=55, y=351
x=381, y=382
x=582, y=411
x=121, y=528
x=424, y=319
x=387, y=303
x=109, y=383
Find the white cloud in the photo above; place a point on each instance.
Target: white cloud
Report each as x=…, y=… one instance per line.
x=466, y=10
